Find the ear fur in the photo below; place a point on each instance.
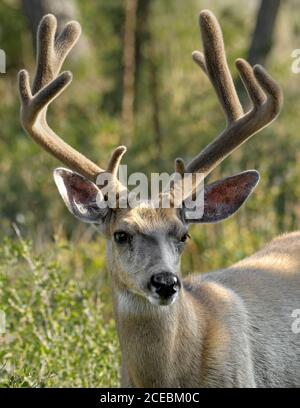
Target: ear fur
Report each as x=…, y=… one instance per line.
x=81, y=196
x=224, y=197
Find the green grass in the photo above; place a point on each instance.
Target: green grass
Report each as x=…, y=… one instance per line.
x=58, y=332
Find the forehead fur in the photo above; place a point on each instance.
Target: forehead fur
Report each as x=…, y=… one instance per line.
x=146, y=219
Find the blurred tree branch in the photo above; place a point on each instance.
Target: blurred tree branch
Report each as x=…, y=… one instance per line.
x=262, y=38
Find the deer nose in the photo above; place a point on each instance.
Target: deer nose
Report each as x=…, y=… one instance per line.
x=166, y=284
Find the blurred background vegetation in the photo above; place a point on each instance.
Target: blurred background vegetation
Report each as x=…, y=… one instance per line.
x=134, y=83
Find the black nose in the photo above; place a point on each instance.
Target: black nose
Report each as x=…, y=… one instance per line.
x=166, y=284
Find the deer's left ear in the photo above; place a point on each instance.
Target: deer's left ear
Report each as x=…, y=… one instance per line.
x=224, y=197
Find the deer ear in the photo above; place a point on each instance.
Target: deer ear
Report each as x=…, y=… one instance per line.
x=224, y=197
x=81, y=196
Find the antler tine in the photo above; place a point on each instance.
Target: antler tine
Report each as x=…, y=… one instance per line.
x=180, y=166
x=265, y=95
x=52, y=51
x=255, y=92
x=217, y=67
x=199, y=58
x=115, y=160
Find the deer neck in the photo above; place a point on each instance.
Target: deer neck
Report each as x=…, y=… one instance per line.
x=156, y=337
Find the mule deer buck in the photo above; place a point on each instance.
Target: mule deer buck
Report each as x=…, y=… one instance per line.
x=228, y=328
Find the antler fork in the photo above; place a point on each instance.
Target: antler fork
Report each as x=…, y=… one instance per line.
x=265, y=95
x=52, y=51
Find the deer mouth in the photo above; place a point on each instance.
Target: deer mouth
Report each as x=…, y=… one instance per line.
x=159, y=301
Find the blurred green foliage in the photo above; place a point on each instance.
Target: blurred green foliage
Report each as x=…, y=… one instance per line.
x=77, y=345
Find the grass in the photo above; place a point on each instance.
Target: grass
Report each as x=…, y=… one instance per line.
x=58, y=332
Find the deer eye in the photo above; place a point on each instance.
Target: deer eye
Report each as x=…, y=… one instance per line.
x=121, y=237
x=184, y=237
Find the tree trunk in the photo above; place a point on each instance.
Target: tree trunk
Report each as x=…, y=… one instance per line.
x=144, y=39
x=142, y=34
x=262, y=38
x=155, y=103
x=129, y=70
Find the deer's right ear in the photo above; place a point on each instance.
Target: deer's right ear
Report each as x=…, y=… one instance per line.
x=82, y=197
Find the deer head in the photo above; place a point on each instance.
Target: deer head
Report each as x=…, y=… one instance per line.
x=145, y=243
